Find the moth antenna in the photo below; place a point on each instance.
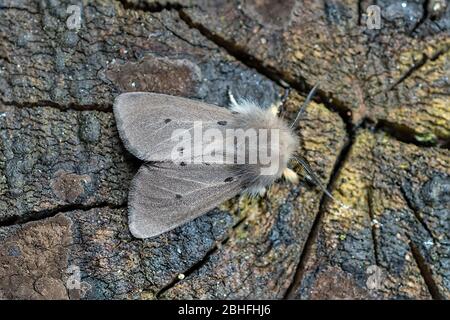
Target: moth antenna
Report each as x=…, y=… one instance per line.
x=302, y=108
x=305, y=165
x=283, y=100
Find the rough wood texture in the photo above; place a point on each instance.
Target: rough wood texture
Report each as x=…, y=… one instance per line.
x=397, y=75
x=395, y=241
x=378, y=134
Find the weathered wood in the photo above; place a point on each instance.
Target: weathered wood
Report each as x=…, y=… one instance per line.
x=394, y=241
x=65, y=175
x=397, y=75
x=97, y=243
x=55, y=159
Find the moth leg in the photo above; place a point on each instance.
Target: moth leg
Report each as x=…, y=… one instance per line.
x=290, y=175
x=233, y=102
x=262, y=191
x=275, y=107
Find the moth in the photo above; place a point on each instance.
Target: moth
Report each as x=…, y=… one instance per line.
x=180, y=181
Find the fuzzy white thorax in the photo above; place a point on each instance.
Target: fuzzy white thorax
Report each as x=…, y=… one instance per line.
x=251, y=115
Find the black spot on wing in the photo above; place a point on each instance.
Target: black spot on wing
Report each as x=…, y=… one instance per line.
x=178, y=196
x=222, y=123
x=167, y=120
x=229, y=179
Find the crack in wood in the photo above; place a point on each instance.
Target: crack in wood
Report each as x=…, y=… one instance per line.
x=424, y=17
x=300, y=85
x=48, y=213
x=271, y=73
x=407, y=135
x=372, y=224
x=314, y=232
x=242, y=56
x=416, y=212
x=416, y=67
x=426, y=272
x=199, y=264
x=51, y=104
x=401, y=134
x=153, y=7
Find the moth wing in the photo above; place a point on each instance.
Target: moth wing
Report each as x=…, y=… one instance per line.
x=164, y=196
x=146, y=122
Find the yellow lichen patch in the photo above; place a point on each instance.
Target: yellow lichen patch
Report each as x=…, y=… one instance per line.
x=351, y=190
x=132, y=261
x=148, y=295
x=431, y=122
x=103, y=235
x=298, y=55
x=372, y=181
x=241, y=206
x=417, y=53
x=422, y=106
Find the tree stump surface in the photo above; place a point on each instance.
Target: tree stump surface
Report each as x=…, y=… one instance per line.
x=377, y=133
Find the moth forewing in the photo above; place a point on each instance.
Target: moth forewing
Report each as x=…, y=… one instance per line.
x=165, y=195
x=147, y=121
